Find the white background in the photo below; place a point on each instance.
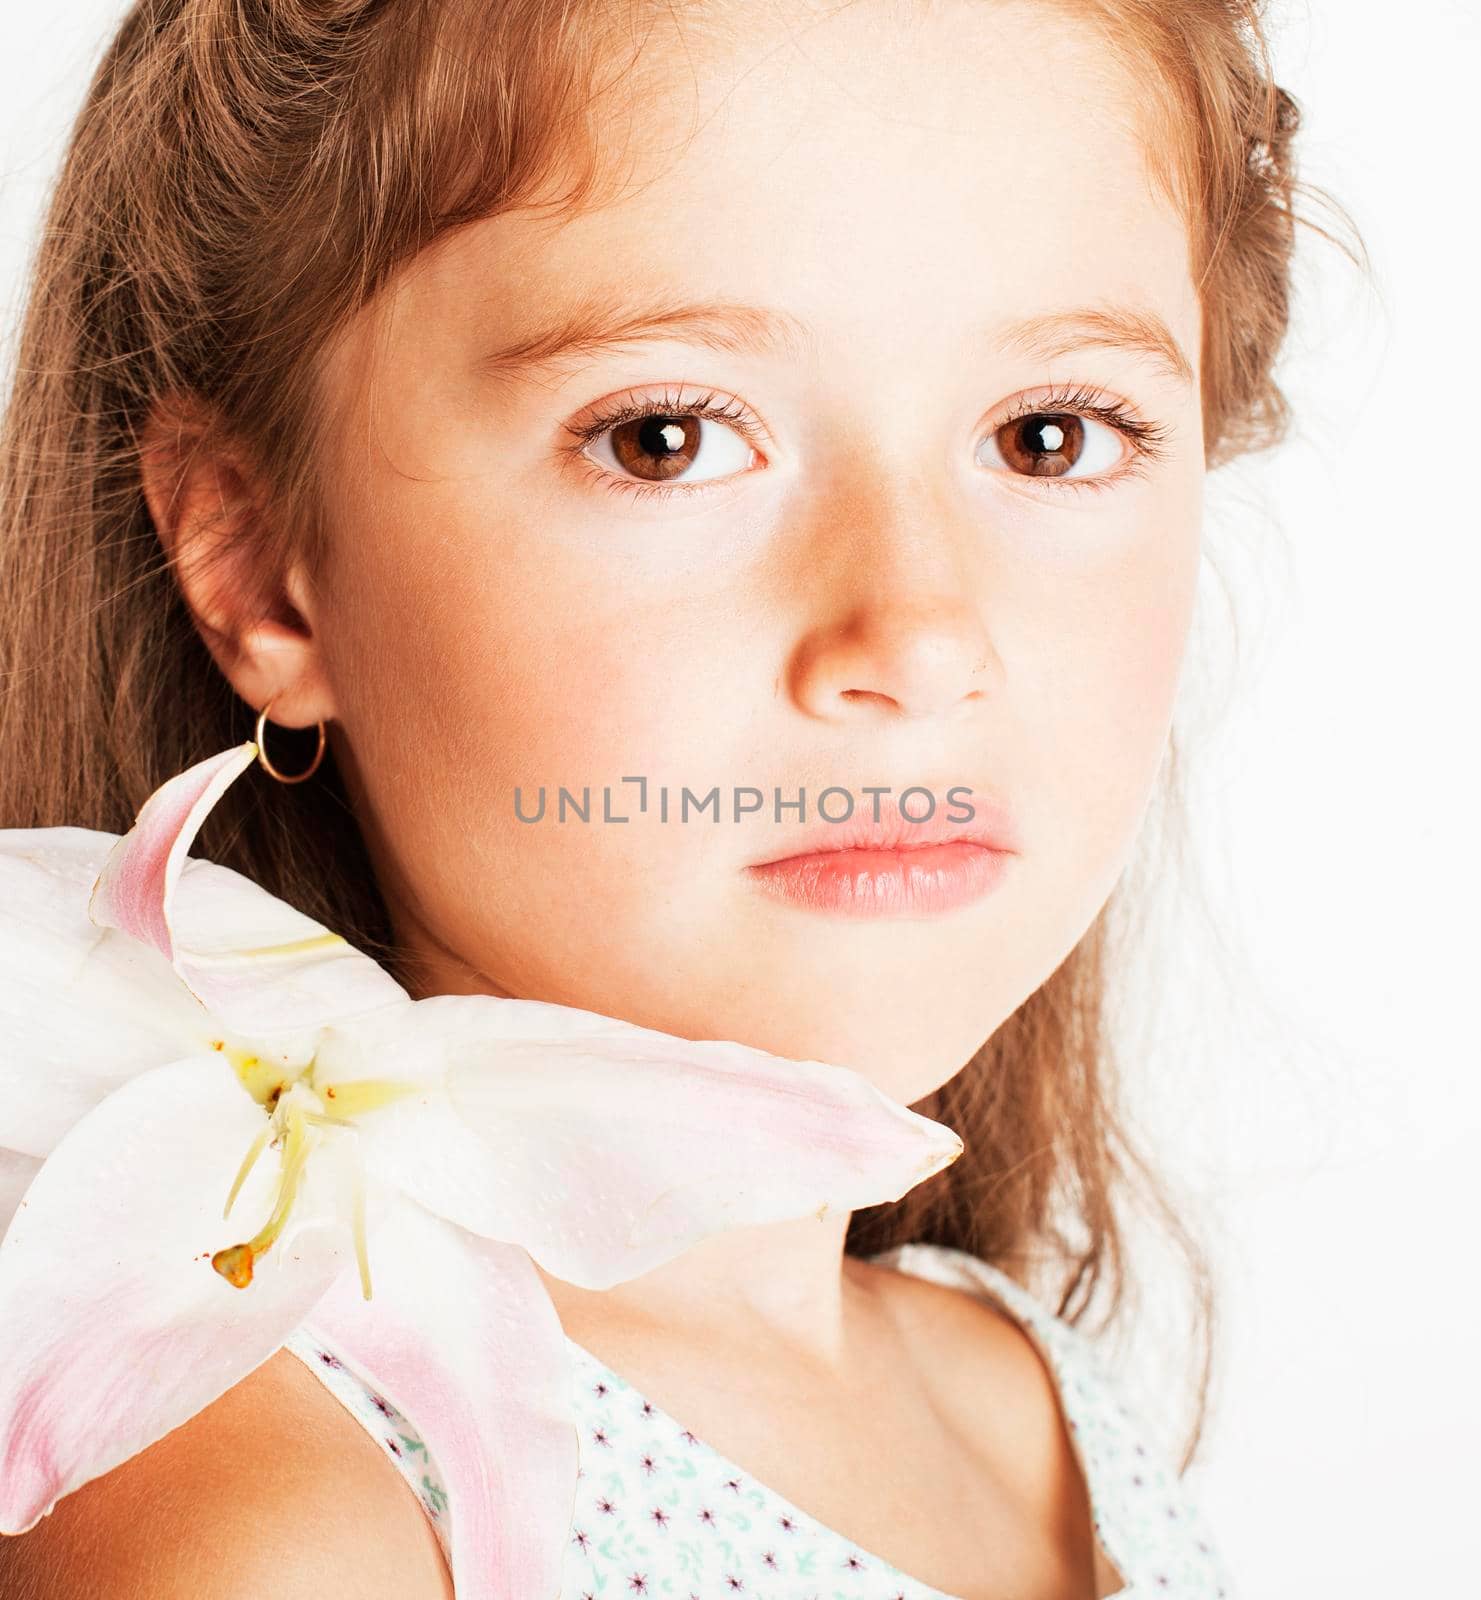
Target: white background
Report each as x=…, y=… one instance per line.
x=1320, y=1068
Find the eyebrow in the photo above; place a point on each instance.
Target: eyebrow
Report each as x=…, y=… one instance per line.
x=735, y=328
x=1140, y=332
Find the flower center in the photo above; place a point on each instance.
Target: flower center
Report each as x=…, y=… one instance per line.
x=297, y=1109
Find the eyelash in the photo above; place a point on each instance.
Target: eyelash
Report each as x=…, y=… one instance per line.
x=1147, y=439
x=732, y=412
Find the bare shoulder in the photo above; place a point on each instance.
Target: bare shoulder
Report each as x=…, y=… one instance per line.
x=272, y=1489
x=982, y=1373
x=986, y=1372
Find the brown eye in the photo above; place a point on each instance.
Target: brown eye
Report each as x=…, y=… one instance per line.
x=1043, y=447
x=656, y=448
x=1056, y=444
x=662, y=445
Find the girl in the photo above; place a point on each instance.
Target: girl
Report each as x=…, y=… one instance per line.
x=638, y=399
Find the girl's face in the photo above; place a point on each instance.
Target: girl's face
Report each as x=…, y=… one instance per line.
x=923, y=228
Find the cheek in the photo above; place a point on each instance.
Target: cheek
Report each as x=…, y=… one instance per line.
x=1105, y=683
x=584, y=692
x=540, y=659
x=486, y=661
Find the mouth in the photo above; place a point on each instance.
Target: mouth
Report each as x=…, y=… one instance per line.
x=905, y=880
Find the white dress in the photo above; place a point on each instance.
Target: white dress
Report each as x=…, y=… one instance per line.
x=660, y=1513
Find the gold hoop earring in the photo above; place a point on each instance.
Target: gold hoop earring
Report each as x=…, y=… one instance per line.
x=262, y=751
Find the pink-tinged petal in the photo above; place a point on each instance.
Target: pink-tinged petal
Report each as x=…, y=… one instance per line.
x=138, y=879
x=115, y=1327
x=82, y=1009
x=260, y=966
x=461, y=1336
x=605, y=1149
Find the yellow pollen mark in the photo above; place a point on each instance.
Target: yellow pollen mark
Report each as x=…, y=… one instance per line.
x=263, y=1080
x=358, y=1095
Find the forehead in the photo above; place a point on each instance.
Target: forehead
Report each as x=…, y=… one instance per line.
x=909, y=169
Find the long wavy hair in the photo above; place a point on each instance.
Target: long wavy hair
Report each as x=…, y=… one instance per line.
x=242, y=177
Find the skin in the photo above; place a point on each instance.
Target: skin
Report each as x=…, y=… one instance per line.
x=873, y=597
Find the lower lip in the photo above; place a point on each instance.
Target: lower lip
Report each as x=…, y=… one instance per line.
x=917, y=882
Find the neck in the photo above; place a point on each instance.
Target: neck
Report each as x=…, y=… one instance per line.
x=789, y=1283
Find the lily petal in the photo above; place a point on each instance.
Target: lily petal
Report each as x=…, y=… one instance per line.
x=114, y=1325
x=462, y=1337
x=259, y=965
x=16, y=1173
x=139, y=877
x=604, y=1148
x=82, y=1009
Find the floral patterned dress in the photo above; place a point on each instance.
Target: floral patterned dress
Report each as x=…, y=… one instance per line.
x=660, y=1513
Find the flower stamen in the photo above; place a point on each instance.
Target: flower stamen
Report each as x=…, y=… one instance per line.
x=362, y=1259
x=248, y=1162
x=235, y=1262
x=295, y=1107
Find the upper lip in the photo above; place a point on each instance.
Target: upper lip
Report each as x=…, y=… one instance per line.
x=990, y=824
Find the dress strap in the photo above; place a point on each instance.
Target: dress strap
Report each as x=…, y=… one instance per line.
x=386, y=1425
x=1147, y=1526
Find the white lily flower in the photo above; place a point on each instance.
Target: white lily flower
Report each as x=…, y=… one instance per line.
x=164, y=1022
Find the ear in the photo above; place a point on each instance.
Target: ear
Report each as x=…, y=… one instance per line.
x=257, y=611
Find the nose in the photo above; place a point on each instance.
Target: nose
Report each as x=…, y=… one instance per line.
x=899, y=629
